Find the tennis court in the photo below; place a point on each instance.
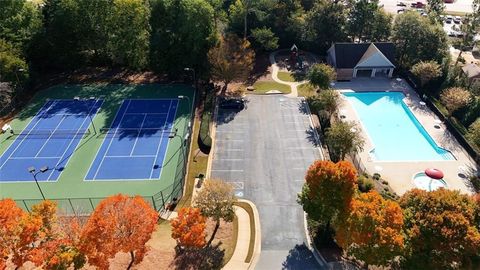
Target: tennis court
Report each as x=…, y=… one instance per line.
x=49, y=140
x=135, y=145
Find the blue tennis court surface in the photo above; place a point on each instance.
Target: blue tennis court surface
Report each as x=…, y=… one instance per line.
x=135, y=145
x=49, y=139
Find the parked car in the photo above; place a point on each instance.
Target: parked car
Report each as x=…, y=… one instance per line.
x=232, y=103
x=418, y=5
x=401, y=4
x=448, y=19
x=457, y=19
x=401, y=10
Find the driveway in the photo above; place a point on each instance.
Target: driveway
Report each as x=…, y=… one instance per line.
x=264, y=151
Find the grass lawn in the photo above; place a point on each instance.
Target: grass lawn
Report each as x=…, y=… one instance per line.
x=285, y=76
x=305, y=90
x=251, y=245
x=197, y=165
x=262, y=87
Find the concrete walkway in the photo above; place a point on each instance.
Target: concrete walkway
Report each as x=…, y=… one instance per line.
x=275, y=69
x=238, y=260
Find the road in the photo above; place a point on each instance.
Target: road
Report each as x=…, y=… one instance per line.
x=264, y=151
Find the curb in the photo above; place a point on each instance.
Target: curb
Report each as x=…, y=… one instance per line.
x=258, y=235
x=240, y=262
x=213, y=131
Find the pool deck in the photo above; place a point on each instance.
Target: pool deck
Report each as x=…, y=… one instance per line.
x=399, y=174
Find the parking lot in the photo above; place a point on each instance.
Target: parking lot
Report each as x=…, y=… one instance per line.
x=458, y=6
x=264, y=151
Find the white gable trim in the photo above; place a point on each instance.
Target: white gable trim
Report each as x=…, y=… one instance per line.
x=377, y=59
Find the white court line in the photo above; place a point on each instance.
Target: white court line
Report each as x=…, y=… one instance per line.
x=120, y=156
x=111, y=140
x=51, y=134
x=138, y=135
x=99, y=148
x=71, y=140
x=161, y=140
x=145, y=113
x=33, y=157
x=40, y=112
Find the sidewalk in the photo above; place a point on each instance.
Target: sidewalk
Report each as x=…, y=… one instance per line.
x=243, y=240
x=275, y=69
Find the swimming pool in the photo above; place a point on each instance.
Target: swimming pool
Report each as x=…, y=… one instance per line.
x=394, y=131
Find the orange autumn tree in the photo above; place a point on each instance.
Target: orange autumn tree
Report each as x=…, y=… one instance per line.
x=61, y=251
x=188, y=228
x=442, y=229
x=328, y=190
x=24, y=235
x=118, y=224
x=372, y=231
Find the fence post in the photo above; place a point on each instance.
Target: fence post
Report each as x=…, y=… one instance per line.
x=163, y=200
x=90, y=200
x=73, y=210
x=154, y=204
x=26, y=207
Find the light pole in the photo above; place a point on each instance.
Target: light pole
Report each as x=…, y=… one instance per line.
x=174, y=134
x=16, y=75
x=34, y=172
x=194, y=76
x=88, y=114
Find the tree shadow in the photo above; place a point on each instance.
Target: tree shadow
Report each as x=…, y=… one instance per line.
x=210, y=257
x=312, y=137
x=300, y=257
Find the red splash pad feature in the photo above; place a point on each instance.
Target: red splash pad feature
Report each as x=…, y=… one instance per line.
x=434, y=173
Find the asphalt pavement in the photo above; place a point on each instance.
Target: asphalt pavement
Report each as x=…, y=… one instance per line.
x=264, y=151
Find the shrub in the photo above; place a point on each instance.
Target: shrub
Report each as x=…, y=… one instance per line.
x=376, y=176
x=204, y=139
x=385, y=182
x=474, y=132
x=455, y=98
x=365, y=184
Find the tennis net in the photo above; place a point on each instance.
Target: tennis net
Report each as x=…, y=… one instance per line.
x=137, y=132
x=46, y=133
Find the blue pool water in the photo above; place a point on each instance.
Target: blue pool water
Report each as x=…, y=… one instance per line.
x=395, y=133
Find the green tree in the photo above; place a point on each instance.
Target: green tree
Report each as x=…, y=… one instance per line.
x=327, y=100
x=372, y=231
x=240, y=9
x=368, y=22
x=435, y=8
x=265, y=38
x=182, y=34
x=325, y=23
x=20, y=20
x=128, y=42
x=468, y=28
x=12, y=66
x=231, y=60
x=215, y=200
x=426, y=71
x=474, y=132
x=321, y=75
x=440, y=229
x=343, y=138
x=219, y=14
x=328, y=191
x=417, y=39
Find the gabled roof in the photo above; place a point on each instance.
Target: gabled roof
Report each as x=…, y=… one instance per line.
x=471, y=70
x=348, y=55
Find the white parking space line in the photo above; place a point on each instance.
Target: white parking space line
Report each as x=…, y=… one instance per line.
x=220, y=170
